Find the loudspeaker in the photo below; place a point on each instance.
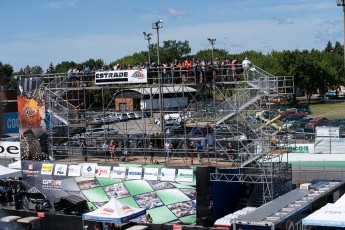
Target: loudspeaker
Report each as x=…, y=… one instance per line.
x=72, y=203
x=203, y=197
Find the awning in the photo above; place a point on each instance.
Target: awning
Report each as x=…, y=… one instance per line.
x=9, y=218
x=28, y=220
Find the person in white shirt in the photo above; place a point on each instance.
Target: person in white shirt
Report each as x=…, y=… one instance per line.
x=245, y=64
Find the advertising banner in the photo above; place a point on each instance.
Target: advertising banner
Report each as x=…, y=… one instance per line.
x=121, y=77
x=119, y=172
x=167, y=201
x=88, y=170
x=168, y=174
x=9, y=149
x=60, y=170
x=11, y=123
x=134, y=173
x=103, y=171
x=185, y=175
x=31, y=117
x=150, y=173
x=47, y=169
x=74, y=170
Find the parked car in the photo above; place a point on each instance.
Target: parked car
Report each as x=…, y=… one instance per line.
x=292, y=118
x=278, y=99
x=288, y=113
x=122, y=116
x=133, y=116
x=319, y=121
x=304, y=133
x=100, y=132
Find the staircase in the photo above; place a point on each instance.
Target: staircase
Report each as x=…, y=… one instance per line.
x=263, y=82
x=56, y=105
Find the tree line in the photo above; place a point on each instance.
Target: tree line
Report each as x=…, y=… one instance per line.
x=313, y=70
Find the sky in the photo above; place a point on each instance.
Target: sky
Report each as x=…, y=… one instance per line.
x=40, y=32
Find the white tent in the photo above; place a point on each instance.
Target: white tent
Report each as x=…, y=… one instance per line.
x=7, y=172
x=331, y=215
x=114, y=212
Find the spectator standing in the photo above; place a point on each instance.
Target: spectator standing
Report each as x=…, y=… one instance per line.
x=230, y=151
x=105, y=148
x=245, y=64
x=83, y=149
x=191, y=148
x=150, y=152
x=198, y=148
x=112, y=149
x=234, y=64
x=168, y=147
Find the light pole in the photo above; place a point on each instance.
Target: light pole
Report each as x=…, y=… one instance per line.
x=147, y=37
x=342, y=3
x=213, y=42
x=156, y=26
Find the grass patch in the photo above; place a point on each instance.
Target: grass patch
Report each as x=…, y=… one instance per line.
x=330, y=111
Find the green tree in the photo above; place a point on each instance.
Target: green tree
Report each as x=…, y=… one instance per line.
x=64, y=66
x=51, y=68
x=6, y=71
x=338, y=48
x=329, y=47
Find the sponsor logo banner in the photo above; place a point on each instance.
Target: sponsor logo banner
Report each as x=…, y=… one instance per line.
x=74, y=170
x=185, y=175
x=11, y=123
x=118, y=172
x=150, y=173
x=28, y=170
x=88, y=170
x=60, y=170
x=103, y=171
x=168, y=174
x=134, y=173
x=10, y=149
x=47, y=169
x=121, y=77
x=52, y=184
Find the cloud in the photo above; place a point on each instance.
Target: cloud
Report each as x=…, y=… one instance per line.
x=174, y=12
x=58, y=5
x=332, y=32
x=285, y=21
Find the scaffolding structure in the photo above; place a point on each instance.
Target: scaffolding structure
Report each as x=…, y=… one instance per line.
x=215, y=108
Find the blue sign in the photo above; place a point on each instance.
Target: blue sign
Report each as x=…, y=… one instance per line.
x=11, y=123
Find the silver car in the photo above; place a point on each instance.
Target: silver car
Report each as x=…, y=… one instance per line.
x=101, y=132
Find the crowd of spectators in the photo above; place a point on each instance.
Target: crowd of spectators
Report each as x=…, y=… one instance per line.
x=178, y=71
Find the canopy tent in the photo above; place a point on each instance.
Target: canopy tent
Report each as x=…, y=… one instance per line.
x=7, y=172
x=114, y=212
x=331, y=215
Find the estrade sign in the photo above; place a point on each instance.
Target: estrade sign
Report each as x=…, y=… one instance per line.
x=121, y=77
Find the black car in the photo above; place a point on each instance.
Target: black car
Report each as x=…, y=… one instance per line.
x=304, y=133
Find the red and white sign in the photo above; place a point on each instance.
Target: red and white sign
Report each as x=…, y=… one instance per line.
x=103, y=172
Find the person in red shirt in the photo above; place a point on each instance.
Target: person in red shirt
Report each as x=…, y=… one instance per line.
x=234, y=64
